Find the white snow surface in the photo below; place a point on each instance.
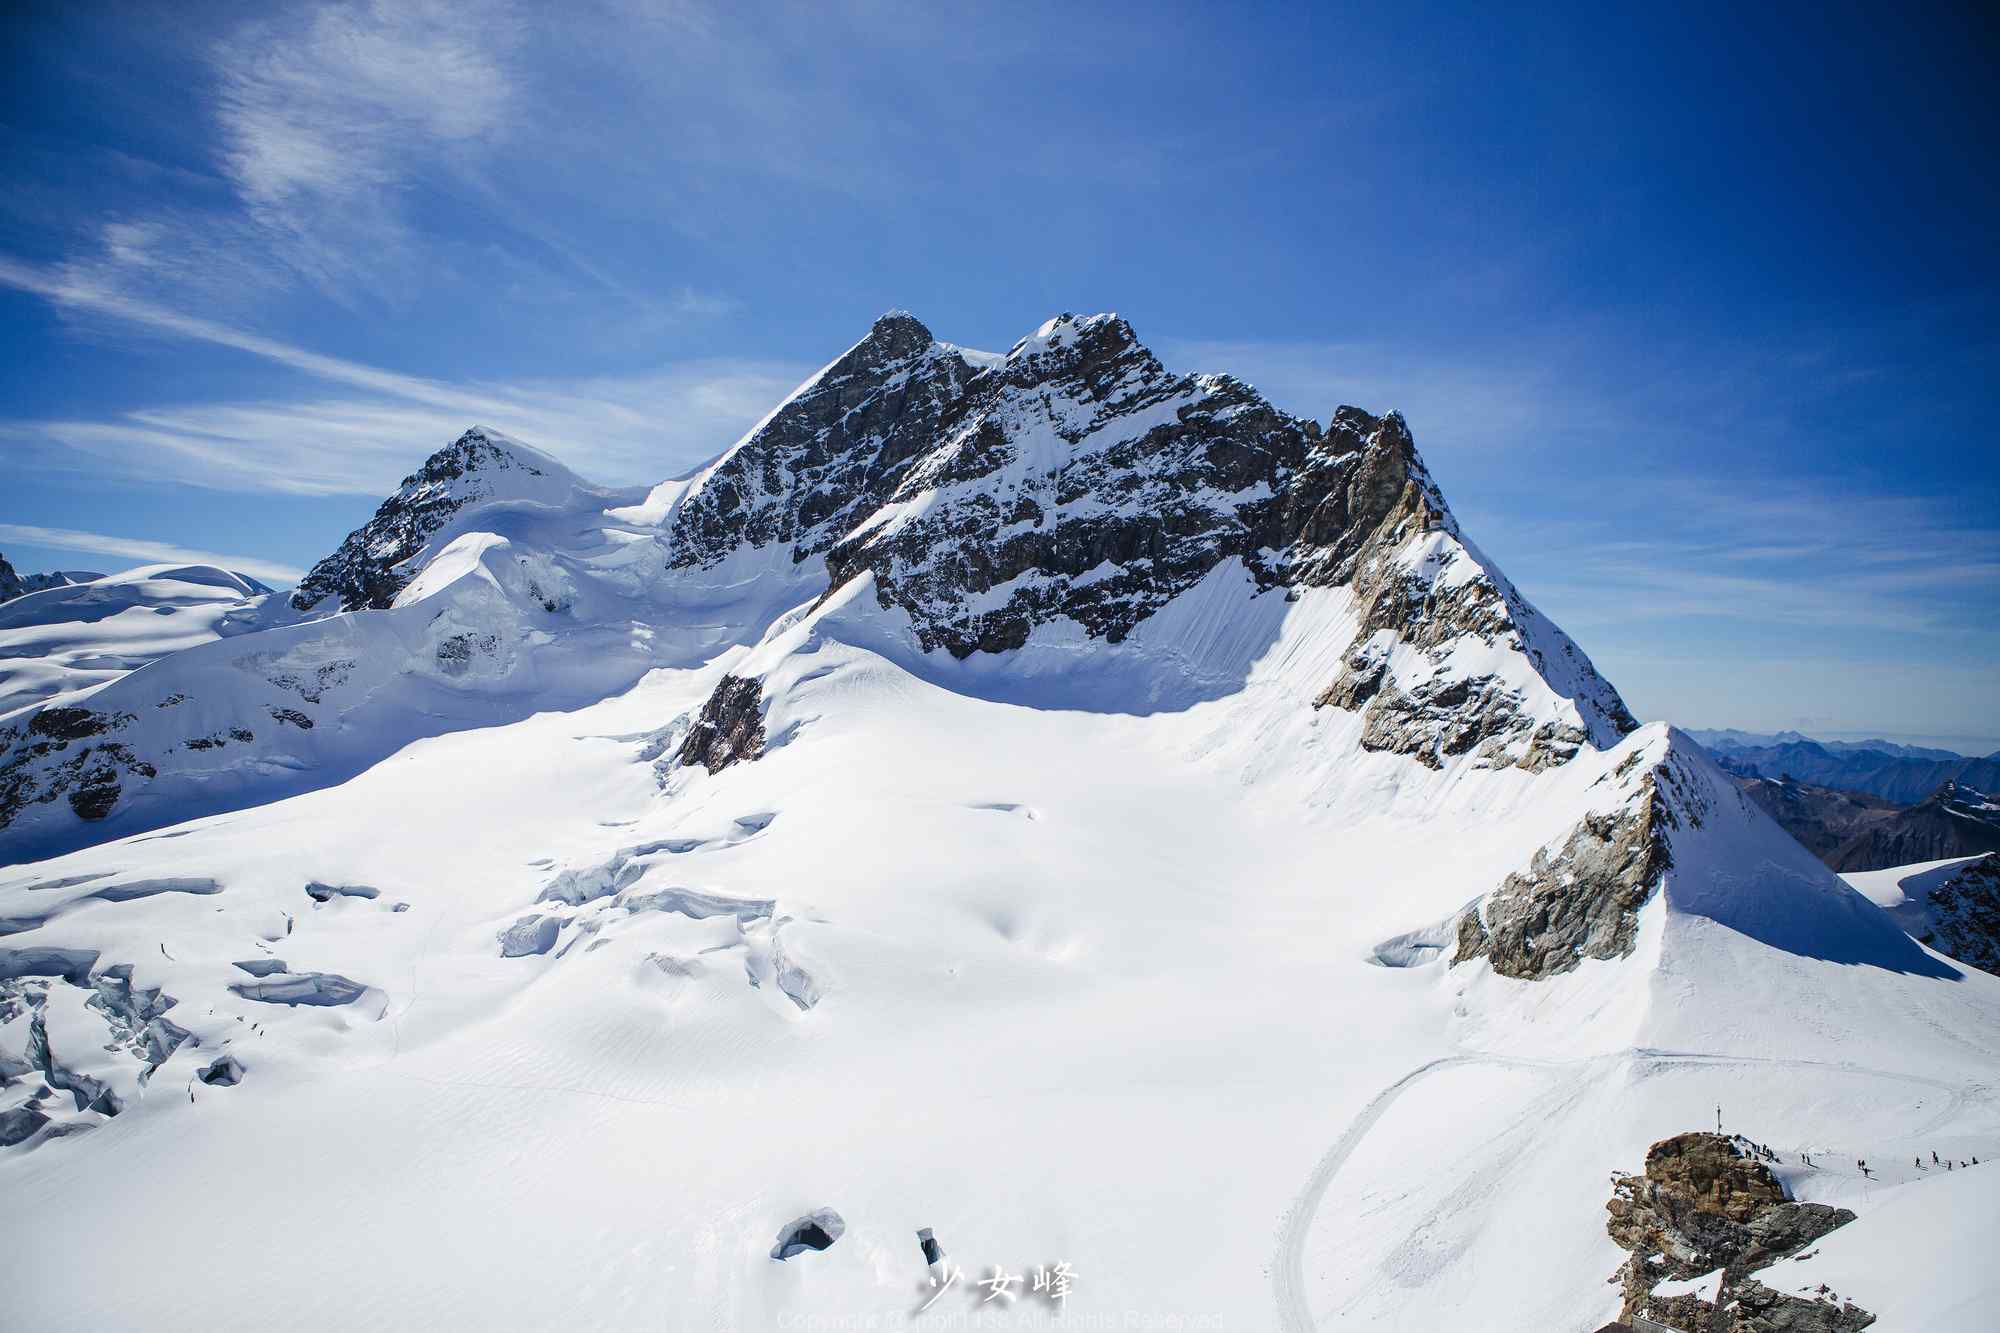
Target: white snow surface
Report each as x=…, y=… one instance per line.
x=67, y=640
x=981, y=946
x=1922, y=1250
x=1904, y=892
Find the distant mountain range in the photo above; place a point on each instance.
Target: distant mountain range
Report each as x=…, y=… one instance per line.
x=1729, y=738
x=14, y=584
x=1852, y=831
x=1901, y=773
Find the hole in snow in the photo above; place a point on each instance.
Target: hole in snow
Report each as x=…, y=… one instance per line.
x=326, y=893
x=815, y=1231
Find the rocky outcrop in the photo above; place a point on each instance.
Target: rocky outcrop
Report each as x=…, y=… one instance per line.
x=366, y=572
x=1705, y=1203
x=1581, y=899
x=1756, y=1308
x=729, y=727
x=1422, y=610
x=1076, y=477
x=65, y=754
x=1965, y=915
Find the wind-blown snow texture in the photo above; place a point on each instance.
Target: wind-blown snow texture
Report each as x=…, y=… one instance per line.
x=1029, y=796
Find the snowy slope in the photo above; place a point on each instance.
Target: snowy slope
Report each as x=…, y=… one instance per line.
x=70, y=637
x=1282, y=935
x=1952, y=905
x=1921, y=1255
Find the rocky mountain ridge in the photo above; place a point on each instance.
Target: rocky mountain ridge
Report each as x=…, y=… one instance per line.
x=1823, y=819
x=1073, y=486
x=14, y=584
x=1954, y=820
x=371, y=566
x=1076, y=479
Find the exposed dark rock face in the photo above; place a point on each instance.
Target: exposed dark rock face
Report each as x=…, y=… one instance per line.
x=365, y=571
x=832, y=454
x=1078, y=478
x=1580, y=902
x=73, y=724
x=1759, y=1309
x=1704, y=1204
x=1582, y=899
x=1954, y=820
x=89, y=776
x=1156, y=480
x=729, y=727
x=1965, y=915
x=1823, y=820
x=1583, y=902
x=1445, y=715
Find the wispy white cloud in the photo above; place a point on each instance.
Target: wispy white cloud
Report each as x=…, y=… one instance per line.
x=152, y=552
x=617, y=429
x=72, y=290
x=325, y=115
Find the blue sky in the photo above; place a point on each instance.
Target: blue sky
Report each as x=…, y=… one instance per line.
x=1691, y=310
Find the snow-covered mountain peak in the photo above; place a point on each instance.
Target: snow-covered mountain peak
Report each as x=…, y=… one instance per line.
x=1111, y=721
x=1074, y=494
x=1104, y=333
x=897, y=333
x=1079, y=487
x=480, y=466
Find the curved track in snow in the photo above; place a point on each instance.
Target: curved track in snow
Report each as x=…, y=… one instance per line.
x=1288, y=1266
